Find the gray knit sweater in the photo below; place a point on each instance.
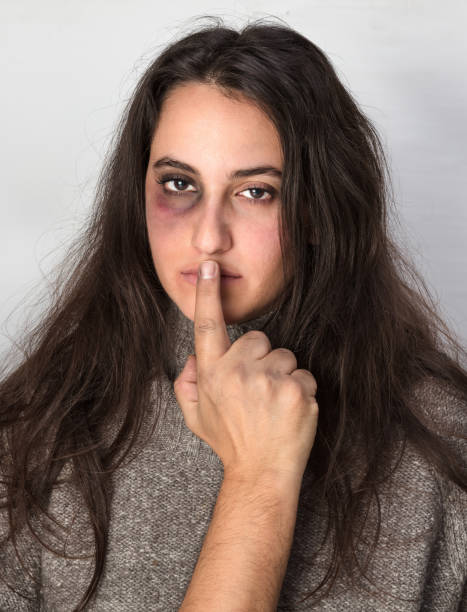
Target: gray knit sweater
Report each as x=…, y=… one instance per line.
x=163, y=502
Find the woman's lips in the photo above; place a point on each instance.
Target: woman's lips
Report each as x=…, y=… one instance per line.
x=192, y=278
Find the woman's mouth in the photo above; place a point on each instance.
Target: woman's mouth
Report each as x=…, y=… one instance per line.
x=192, y=278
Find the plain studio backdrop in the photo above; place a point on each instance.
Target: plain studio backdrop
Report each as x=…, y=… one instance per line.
x=67, y=70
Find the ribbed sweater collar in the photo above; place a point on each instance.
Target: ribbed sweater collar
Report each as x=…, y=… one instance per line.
x=181, y=333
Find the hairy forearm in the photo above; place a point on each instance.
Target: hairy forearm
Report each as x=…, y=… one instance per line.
x=244, y=556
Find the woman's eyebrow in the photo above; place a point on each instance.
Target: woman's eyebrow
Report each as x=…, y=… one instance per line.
x=174, y=163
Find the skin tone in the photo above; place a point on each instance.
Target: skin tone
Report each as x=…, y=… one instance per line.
x=259, y=413
x=208, y=213
x=261, y=423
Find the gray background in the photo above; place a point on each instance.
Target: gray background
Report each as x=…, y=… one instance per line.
x=68, y=68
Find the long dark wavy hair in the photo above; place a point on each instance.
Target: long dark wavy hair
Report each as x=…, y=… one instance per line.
x=355, y=313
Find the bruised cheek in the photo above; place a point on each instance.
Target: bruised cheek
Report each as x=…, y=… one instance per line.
x=161, y=221
x=163, y=207
x=160, y=211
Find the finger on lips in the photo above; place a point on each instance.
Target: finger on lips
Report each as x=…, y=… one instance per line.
x=210, y=331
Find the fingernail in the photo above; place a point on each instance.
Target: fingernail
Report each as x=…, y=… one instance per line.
x=207, y=269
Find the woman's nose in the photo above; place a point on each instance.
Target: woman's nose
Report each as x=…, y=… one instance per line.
x=212, y=230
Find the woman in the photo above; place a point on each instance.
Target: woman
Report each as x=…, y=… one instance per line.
x=162, y=447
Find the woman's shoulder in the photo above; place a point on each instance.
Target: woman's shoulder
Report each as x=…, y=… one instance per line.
x=441, y=401
x=421, y=503
x=442, y=408
x=421, y=482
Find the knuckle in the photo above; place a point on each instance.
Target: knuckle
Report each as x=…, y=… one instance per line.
x=292, y=388
x=310, y=380
x=256, y=335
x=285, y=353
x=205, y=325
x=314, y=384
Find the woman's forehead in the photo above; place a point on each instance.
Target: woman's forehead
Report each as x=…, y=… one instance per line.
x=199, y=124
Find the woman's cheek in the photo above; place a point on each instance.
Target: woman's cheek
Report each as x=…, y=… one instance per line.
x=159, y=210
x=161, y=222
x=160, y=205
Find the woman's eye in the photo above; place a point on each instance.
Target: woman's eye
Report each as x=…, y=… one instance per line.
x=179, y=188
x=259, y=193
x=178, y=182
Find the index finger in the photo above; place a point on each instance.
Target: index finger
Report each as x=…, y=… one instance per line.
x=211, y=337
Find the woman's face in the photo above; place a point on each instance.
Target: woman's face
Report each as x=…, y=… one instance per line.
x=201, y=203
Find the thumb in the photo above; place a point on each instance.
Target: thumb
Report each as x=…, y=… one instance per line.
x=189, y=372
x=186, y=387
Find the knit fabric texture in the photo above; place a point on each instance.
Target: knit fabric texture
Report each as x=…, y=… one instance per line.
x=163, y=502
